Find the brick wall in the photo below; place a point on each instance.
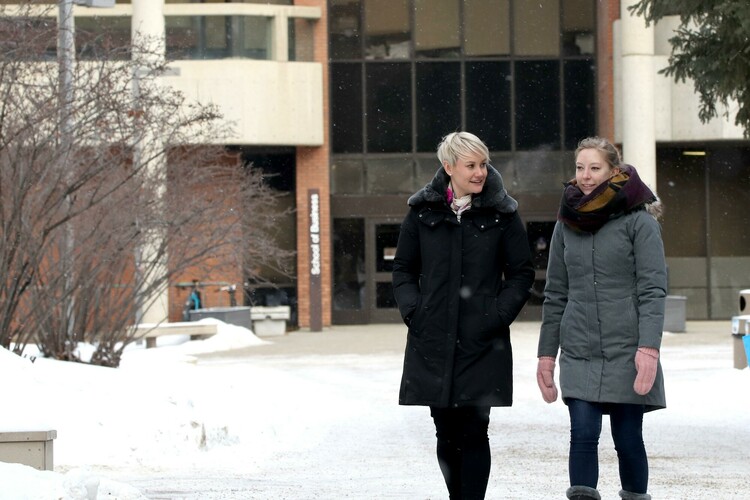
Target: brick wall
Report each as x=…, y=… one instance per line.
x=313, y=173
x=607, y=12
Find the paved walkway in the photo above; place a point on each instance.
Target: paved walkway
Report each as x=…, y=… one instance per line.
x=388, y=338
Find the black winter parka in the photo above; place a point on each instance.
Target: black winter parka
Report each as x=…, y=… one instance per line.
x=459, y=286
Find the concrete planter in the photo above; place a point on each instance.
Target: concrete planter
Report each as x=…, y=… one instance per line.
x=270, y=321
x=32, y=448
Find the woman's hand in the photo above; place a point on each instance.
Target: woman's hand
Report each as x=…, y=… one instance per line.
x=646, y=359
x=545, y=377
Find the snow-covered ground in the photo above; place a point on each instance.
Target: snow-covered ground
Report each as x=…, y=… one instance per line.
x=238, y=417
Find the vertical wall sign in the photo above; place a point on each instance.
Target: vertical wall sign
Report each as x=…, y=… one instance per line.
x=316, y=306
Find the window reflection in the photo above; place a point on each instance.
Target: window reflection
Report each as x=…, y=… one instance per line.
x=486, y=27
x=345, y=31
x=488, y=103
x=536, y=28
x=346, y=107
x=102, y=37
x=578, y=25
x=537, y=104
x=349, y=264
x=387, y=29
x=437, y=28
x=580, y=97
x=388, y=105
x=438, y=102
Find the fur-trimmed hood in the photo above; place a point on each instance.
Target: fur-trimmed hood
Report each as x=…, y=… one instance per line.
x=493, y=194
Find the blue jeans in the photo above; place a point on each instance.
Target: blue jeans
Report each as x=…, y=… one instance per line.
x=626, y=421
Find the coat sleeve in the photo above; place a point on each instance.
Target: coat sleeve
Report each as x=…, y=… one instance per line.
x=555, y=296
x=518, y=271
x=651, y=279
x=407, y=267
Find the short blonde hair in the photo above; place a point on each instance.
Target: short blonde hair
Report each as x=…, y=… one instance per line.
x=460, y=145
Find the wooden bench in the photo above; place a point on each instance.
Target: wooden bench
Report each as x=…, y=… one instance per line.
x=151, y=331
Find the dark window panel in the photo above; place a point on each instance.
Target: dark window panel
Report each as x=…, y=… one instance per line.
x=386, y=239
x=578, y=27
x=580, y=114
x=488, y=103
x=345, y=30
x=346, y=108
x=681, y=184
x=390, y=175
x=486, y=27
x=347, y=176
x=536, y=28
x=437, y=32
x=537, y=104
x=387, y=31
x=388, y=108
x=349, y=264
x=438, y=102
x=729, y=174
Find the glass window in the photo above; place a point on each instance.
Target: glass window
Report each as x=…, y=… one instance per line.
x=537, y=110
x=438, y=102
x=349, y=264
x=29, y=38
x=543, y=170
x=681, y=186
x=344, y=26
x=729, y=209
x=388, y=107
x=347, y=176
x=346, y=108
x=580, y=96
x=386, y=239
x=578, y=27
x=100, y=37
x=426, y=169
x=437, y=31
x=486, y=27
x=488, y=103
x=536, y=28
x=390, y=175
x=256, y=37
x=387, y=29
x=182, y=36
x=218, y=37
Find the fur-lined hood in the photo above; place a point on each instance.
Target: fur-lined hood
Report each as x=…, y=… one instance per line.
x=493, y=194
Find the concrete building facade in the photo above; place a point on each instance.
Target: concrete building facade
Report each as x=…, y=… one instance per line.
x=346, y=100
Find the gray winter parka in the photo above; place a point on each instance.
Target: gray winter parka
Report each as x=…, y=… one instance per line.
x=458, y=286
x=604, y=298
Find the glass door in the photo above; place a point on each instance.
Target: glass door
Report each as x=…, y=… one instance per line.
x=349, y=272
x=363, y=252
x=382, y=250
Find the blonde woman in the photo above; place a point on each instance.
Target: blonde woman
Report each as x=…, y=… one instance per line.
x=461, y=274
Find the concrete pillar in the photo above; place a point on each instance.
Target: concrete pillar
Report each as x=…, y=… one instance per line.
x=638, y=83
x=147, y=28
x=148, y=20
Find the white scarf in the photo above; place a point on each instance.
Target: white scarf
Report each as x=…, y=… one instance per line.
x=460, y=205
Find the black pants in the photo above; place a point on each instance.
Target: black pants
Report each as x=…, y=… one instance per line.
x=463, y=450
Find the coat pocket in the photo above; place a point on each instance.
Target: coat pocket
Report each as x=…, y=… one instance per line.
x=574, y=334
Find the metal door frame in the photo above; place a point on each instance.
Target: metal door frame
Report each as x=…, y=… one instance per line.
x=372, y=277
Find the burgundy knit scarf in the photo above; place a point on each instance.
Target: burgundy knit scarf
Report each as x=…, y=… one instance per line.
x=623, y=193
